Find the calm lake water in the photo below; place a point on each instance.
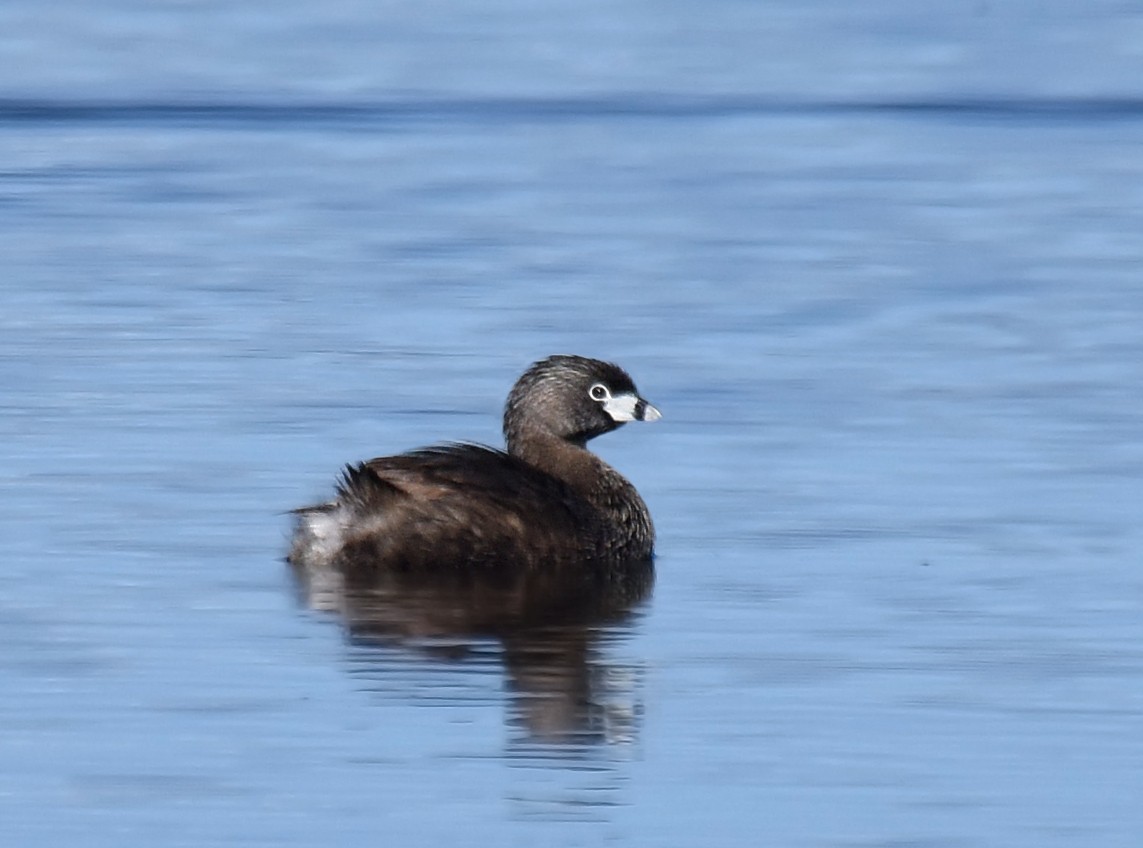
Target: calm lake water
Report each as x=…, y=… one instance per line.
x=878, y=264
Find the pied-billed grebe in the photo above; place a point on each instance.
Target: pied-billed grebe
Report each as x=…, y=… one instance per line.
x=545, y=503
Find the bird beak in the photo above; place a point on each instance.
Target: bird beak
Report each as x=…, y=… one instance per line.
x=630, y=407
x=645, y=412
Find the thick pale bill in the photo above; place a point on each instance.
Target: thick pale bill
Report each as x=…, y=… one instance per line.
x=630, y=407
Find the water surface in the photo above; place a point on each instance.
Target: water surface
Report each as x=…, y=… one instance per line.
x=878, y=266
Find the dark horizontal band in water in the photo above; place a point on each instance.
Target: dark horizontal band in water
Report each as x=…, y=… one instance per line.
x=496, y=110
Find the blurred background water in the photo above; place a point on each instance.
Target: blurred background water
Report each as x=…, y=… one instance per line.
x=878, y=264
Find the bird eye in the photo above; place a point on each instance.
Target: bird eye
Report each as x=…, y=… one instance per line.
x=598, y=391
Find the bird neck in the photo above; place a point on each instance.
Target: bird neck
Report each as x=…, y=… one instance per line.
x=568, y=461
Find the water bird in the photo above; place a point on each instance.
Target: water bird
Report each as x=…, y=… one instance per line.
x=545, y=512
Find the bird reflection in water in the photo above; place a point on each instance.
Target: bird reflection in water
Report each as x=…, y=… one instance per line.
x=550, y=631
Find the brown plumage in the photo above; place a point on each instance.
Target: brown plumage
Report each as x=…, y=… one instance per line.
x=547, y=504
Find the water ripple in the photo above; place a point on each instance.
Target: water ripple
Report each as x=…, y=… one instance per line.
x=545, y=110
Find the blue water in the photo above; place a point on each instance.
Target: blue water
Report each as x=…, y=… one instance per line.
x=878, y=265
